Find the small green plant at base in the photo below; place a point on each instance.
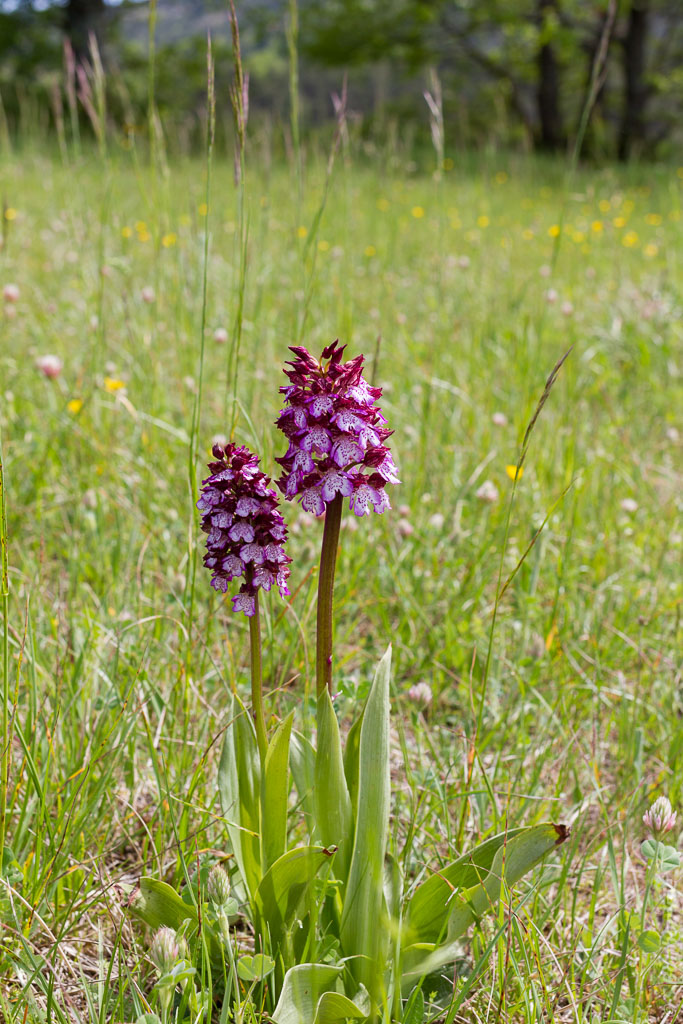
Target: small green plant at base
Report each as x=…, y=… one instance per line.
x=338, y=935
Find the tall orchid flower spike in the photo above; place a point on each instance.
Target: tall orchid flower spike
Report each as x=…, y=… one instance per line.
x=246, y=537
x=337, y=450
x=336, y=434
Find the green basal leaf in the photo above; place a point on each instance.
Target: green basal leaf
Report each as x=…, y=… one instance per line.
x=335, y=1008
x=363, y=935
x=429, y=906
x=239, y=785
x=333, y=819
x=649, y=942
x=158, y=904
x=301, y=991
x=667, y=856
x=511, y=862
x=302, y=766
x=276, y=795
x=283, y=888
x=352, y=760
x=148, y=1018
x=255, y=968
x=414, y=1012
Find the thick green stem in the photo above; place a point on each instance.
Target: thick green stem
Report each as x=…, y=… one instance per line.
x=328, y=560
x=257, y=682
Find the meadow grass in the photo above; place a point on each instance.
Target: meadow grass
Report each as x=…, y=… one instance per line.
x=463, y=293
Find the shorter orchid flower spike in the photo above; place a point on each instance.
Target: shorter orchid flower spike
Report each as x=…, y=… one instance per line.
x=245, y=530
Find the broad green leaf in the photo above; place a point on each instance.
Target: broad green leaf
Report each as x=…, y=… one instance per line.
x=352, y=760
x=148, y=1018
x=511, y=862
x=302, y=765
x=363, y=934
x=255, y=968
x=239, y=785
x=414, y=1012
x=276, y=795
x=335, y=1008
x=667, y=856
x=158, y=904
x=282, y=889
x=649, y=941
x=301, y=990
x=429, y=906
x=333, y=819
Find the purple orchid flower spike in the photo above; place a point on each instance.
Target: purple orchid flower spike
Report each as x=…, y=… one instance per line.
x=246, y=532
x=336, y=435
x=337, y=449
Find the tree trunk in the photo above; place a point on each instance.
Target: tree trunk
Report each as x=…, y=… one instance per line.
x=551, y=134
x=81, y=17
x=632, y=131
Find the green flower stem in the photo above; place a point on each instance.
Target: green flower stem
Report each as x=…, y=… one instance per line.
x=328, y=561
x=257, y=681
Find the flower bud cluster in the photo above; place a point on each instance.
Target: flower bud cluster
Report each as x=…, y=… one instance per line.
x=246, y=533
x=660, y=817
x=336, y=434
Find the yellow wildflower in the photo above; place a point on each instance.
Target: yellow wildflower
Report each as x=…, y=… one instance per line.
x=619, y=222
x=126, y=232
x=370, y=250
x=650, y=250
x=75, y=406
x=630, y=239
x=554, y=230
x=202, y=209
x=417, y=212
x=654, y=219
x=483, y=221
x=604, y=206
x=596, y=226
x=302, y=231
x=111, y=384
x=383, y=204
x=323, y=245
x=169, y=240
x=10, y=213
x=514, y=473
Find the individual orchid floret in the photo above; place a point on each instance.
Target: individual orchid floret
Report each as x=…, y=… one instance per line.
x=660, y=818
x=336, y=434
x=245, y=531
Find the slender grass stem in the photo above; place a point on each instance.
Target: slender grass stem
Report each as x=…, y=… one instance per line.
x=328, y=562
x=4, y=591
x=257, y=681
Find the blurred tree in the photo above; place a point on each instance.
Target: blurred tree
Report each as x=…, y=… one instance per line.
x=81, y=17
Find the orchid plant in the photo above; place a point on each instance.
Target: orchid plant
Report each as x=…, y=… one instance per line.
x=337, y=934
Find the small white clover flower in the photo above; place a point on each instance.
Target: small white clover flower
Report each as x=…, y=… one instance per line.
x=488, y=492
x=660, y=818
x=10, y=293
x=165, y=950
x=499, y=419
x=629, y=504
x=421, y=695
x=218, y=886
x=220, y=335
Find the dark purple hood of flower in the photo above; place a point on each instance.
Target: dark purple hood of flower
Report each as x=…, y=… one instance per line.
x=336, y=434
x=245, y=531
